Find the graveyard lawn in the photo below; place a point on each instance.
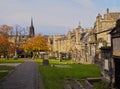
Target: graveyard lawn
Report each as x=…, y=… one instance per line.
x=4, y=70
x=11, y=61
x=53, y=75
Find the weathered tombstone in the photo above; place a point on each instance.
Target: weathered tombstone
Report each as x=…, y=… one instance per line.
x=45, y=59
x=15, y=57
x=106, y=66
x=87, y=85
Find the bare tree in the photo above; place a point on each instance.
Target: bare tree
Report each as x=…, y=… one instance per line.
x=5, y=30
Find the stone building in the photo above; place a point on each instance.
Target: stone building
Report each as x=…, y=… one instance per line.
x=108, y=63
x=115, y=57
x=65, y=45
x=19, y=35
x=86, y=47
x=101, y=30
x=103, y=26
x=74, y=45
x=110, y=59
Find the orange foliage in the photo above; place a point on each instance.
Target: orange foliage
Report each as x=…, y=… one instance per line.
x=4, y=41
x=38, y=43
x=4, y=45
x=11, y=49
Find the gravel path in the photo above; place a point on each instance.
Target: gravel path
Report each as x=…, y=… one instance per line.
x=24, y=77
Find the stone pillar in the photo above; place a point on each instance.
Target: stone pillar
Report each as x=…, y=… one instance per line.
x=77, y=31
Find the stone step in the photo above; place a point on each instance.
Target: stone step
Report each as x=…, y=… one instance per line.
x=72, y=84
x=75, y=84
x=87, y=85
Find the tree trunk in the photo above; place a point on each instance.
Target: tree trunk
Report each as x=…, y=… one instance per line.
x=33, y=55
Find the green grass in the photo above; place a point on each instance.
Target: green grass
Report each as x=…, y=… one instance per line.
x=3, y=74
x=52, y=75
x=11, y=61
x=100, y=85
x=8, y=68
x=55, y=61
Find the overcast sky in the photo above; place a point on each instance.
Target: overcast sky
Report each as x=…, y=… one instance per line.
x=54, y=16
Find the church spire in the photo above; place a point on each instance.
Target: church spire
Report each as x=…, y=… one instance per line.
x=107, y=10
x=32, y=33
x=31, y=21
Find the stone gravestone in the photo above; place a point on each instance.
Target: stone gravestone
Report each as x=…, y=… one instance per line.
x=45, y=60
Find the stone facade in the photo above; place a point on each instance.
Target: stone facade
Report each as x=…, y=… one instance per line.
x=72, y=45
x=101, y=30
x=84, y=44
x=107, y=62
x=19, y=36
x=87, y=48
x=65, y=43
x=111, y=58
x=103, y=26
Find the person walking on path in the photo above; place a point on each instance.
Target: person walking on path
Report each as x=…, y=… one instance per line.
x=25, y=76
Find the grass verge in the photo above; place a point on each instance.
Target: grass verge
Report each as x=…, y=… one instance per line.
x=52, y=75
x=7, y=69
x=11, y=61
x=100, y=85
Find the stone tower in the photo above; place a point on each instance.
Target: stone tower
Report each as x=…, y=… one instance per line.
x=77, y=34
x=31, y=29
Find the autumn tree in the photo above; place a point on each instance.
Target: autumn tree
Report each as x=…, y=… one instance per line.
x=11, y=49
x=5, y=30
x=36, y=44
x=5, y=45
x=6, y=48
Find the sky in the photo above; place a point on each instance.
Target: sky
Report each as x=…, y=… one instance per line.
x=54, y=16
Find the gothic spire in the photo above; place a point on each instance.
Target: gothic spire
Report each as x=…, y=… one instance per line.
x=107, y=10
x=31, y=21
x=32, y=33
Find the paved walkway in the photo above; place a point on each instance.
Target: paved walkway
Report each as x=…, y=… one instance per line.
x=24, y=77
